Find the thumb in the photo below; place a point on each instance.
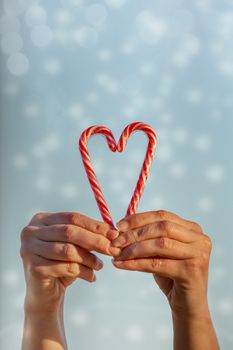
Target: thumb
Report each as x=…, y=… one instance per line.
x=67, y=281
x=164, y=283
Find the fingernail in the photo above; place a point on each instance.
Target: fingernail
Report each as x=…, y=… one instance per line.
x=94, y=278
x=119, y=241
x=122, y=225
x=114, y=251
x=99, y=261
x=119, y=257
x=112, y=234
x=117, y=263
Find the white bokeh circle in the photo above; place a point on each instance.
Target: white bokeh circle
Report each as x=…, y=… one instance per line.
x=116, y=3
x=96, y=14
x=86, y=37
x=63, y=17
x=18, y=64
x=35, y=16
x=41, y=36
x=52, y=66
x=151, y=28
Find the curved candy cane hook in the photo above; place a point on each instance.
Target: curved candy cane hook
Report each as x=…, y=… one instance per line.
x=102, y=130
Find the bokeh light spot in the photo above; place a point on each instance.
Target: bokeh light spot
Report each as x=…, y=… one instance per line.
x=18, y=64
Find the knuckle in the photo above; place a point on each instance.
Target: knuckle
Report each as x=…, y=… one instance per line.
x=192, y=267
x=68, y=251
x=156, y=263
x=38, y=216
x=204, y=258
x=134, y=237
x=73, y=268
x=164, y=243
x=196, y=226
x=163, y=214
x=133, y=220
x=68, y=232
x=165, y=226
x=67, y=216
x=101, y=227
x=143, y=231
x=148, y=230
x=207, y=242
x=97, y=227
x=100, y=244
x=189, y=265
x=26, y=232
x=73, y=218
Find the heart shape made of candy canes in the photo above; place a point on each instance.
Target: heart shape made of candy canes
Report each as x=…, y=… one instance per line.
x=113, y=146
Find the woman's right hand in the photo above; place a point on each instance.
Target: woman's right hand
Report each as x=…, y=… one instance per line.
x=56, y=250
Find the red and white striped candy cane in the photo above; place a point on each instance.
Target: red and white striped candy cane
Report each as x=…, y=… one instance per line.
x=93, y=130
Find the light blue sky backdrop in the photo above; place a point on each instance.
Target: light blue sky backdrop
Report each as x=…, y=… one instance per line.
x=66, y=65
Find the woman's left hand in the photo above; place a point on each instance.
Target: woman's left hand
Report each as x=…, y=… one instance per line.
x=175, y=250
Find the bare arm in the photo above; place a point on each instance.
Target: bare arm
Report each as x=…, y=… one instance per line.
x=194, y=333
x=176, y=252
x=56, y=250
x=45, y=330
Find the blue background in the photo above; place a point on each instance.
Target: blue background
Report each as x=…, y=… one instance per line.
x=66, y=65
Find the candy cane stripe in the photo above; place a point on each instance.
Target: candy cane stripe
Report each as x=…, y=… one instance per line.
x=104, y=131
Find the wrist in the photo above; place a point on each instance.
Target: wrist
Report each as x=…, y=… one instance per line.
x=44, y=329
x=45, y=320
x=190, y=309
x=42, y=309
x=191, y=317
x=199, y=314
x=44, y=323
x=194, y=328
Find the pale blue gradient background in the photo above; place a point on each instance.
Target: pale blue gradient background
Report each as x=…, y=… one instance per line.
x=168, y=63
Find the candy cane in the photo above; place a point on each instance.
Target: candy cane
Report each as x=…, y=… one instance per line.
x=93, y=130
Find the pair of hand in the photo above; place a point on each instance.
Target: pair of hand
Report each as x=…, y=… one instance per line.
x=57, y=248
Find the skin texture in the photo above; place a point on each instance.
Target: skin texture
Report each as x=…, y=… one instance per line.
x=57, y=249
x=176, y=251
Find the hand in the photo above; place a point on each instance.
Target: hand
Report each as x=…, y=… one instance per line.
x=56, y=250
x=175, y=250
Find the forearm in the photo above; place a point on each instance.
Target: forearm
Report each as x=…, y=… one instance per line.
x=194, y=333
x=44, y=330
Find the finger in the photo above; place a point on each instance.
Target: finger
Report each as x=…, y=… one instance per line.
x=162, y=267
x=141, y=219
x=71, y=234
x=38, y=218
x=65, y=252
x=158, y=247
x=76, y=219
x=42, y=267
x=112, y=234
x=156, y=229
